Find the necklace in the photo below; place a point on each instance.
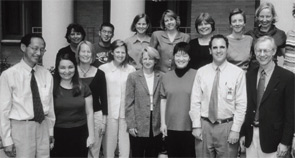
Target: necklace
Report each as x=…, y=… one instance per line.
x=84, y=72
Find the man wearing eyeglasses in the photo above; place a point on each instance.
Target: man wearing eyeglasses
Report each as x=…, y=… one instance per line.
x=26, y=103
x=103, y=46
x=269, y=124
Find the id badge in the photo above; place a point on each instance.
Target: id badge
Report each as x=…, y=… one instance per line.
x=229, y=94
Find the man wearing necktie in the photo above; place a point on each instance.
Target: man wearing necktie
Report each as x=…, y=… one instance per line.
x=26, y=106
x=218, y=104
x=269, y=124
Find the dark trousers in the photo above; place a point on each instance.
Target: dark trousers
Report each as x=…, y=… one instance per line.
x=70, y=142
x=180, y=144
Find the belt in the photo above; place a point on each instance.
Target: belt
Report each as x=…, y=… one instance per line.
x=219, y=121
x=255, y=124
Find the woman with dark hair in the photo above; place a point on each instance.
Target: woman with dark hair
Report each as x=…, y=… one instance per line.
x=199, y=52
x=175, y=104
x=74, y=127
x=74, y=35
x=142, y=102
x=116, y=72
x=265, y=17
x=141, y=25
x=165, y=40
x=239, y=48
x=95, y=79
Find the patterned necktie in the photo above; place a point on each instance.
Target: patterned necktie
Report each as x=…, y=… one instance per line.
x=38, y=108
x=260, y=91
x=213, y=104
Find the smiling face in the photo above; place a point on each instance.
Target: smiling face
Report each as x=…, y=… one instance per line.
x=34, y=51
x=218, y=51
x=66, y=70
x=204, y=28
x=264, y=52
x=75, y=37
x=237, y=23
x=141, y=26
x=181, y=59
x=106, y=34
x=265, y=18
x=119, y=55
x=170, y=23
x=85, y=54
x=147, y=61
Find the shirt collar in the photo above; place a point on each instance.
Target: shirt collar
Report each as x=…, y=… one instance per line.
x=134, y=39
x=113, y=68
x=221, y=67
x=269, y=69
x=27, y=67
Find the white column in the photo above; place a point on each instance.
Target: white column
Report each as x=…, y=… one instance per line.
x=285, y=19
x=122, y=14
x=56, y=16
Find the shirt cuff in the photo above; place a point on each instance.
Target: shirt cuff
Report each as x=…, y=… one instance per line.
x=51, y=132
x=197, y=123
x=7, y=141
x=236, y=128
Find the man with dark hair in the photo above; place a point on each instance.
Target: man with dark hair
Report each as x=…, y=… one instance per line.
x=26, y=106
x=269, y=124
x=218, y=104
x=102, y=47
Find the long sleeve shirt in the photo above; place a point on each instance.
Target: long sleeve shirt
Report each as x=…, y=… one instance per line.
x=16, y=101
x=116, y=79
x=232, y=97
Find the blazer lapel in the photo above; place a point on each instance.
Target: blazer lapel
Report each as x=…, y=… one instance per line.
x=253, y=88
x=143, y=81
x=156, y=81
x=274, y=80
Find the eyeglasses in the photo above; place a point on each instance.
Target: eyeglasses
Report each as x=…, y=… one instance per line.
x=35, y=49
x=266, y=51
x=106, y=32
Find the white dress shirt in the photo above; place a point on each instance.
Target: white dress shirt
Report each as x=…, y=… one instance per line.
x=232, y=96
x=16, y=101
x=116, y=79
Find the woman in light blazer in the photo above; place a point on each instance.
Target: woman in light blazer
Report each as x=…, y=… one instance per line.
x=142, y=109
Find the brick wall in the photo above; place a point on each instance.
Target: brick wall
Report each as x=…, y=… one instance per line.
x=219, y=10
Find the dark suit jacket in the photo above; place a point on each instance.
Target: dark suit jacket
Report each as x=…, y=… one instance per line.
x=137, y=106
x=276, y=112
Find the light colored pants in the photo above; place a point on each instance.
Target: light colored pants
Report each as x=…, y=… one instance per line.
x=30, y=138
x=214, y=143
x=116, y=133
x=254, y=150
x=95, y=149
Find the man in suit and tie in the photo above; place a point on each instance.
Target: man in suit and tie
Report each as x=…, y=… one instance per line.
x=269, y=124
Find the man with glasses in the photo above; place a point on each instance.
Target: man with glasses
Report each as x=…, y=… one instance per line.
x=269, y=124
x=26, y=103
x=102, y=47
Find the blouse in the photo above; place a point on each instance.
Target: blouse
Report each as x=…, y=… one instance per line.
x=289, y=61
x=199, y=54
x=116, y=86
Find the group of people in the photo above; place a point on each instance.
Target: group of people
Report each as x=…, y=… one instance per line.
x=205, y=97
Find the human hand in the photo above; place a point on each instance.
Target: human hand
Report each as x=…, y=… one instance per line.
x=102, y=130
x=10, y=150
x=163, y=129
x=90, y=141
x=51, y=142
x=197, y=133
x=242, y=144
x=133, y=132
x=233, y=137
x=282, y=150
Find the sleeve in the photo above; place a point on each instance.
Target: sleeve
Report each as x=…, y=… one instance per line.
x=154, y=41
x=98, y=87
x=5, y=107
x=288, y=128
x=130, y=100
x=188, y=38
x=162, y=89
x=241, y=103
x=51, y=114
x=195, y=107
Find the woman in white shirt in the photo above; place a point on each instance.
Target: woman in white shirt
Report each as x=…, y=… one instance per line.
x=116, y=72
